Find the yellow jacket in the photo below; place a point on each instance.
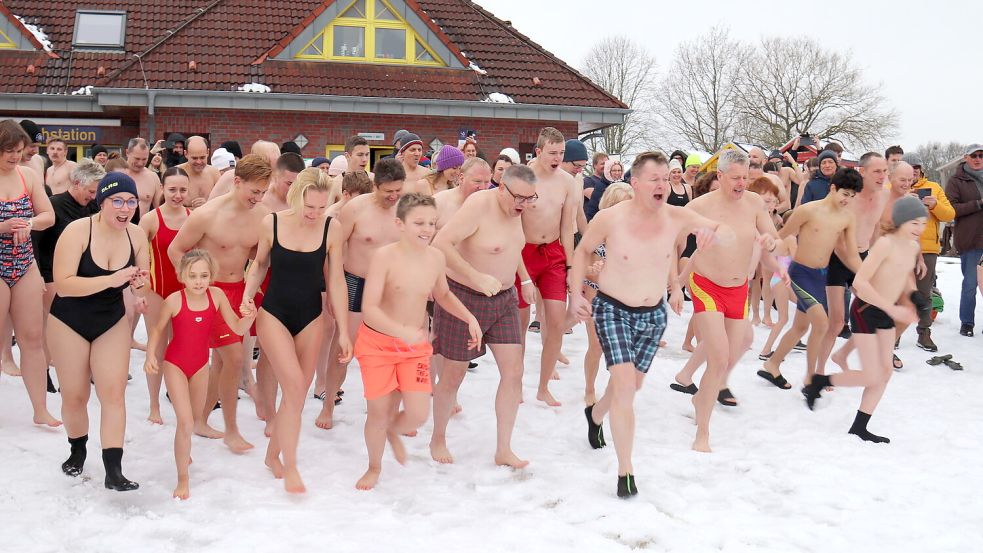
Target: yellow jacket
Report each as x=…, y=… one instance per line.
x=943, y=212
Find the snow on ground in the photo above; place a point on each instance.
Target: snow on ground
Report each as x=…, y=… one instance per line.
x=781, y=478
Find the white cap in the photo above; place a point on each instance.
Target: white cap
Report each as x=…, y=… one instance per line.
x=512, y=153
x=223, y=159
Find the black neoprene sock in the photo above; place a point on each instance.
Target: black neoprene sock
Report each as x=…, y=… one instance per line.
x=859, y=429
x=112, y=458
x=76, y=459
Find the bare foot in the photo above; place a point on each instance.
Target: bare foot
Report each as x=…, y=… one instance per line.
x=323, y=420
x=410, y=434
x=680, y=380
x=689, y=347
x=590, y=398
x=205, y=431
x=399, y=450
x=237, y=443
x=555, y=375
x=771, y=367
x=769, y=323
x=45, y=418
x=662, y=344
x=841, y=360
x=756, y=321
x=137, y=345
x=562, y=359
x=273, y=463
x=547, y=397
x=702, y=442
x=292, y=481
x=457, y=409
x=10, y=368
x=155, y=417
x=183, y=489
x=268, y=429
x=440, y=453
x=509, y=459
x=368, y=480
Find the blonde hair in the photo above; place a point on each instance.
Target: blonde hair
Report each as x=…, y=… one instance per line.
x=193, y=256
x=311, y=178
x=615, y=194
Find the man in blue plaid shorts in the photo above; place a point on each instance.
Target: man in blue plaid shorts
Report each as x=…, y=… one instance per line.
x=639, y=236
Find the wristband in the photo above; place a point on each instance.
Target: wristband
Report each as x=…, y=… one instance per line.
x=524, y=282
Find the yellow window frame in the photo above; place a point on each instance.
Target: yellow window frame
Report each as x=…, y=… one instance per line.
x=6, y=42
x=323, y=42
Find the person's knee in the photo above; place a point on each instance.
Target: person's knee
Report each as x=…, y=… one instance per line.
x=30, y=338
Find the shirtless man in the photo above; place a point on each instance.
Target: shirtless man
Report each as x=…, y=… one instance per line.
x=264, y=148
x=719, y=279
x=148, y=183
x=475, y=176
x=229, y=228
x=867, y=208
x=357, y=152
x=758, y=156
x=549, y=224
x=202, y=175
x=286, y=169
x=483, y=243
x=639, y=236
x=410, y=153
x=57, y=178
x=31, y=158
x=820, y=226
x=368, y=222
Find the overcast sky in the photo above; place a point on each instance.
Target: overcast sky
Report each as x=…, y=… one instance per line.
x=926, y=54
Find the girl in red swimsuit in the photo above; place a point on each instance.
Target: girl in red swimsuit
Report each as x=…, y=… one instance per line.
x=161, y=226
x=191, y=313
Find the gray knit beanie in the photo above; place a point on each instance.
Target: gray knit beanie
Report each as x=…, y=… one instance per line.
x=906, y=209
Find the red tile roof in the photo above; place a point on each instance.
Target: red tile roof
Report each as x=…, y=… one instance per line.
x=230, y=49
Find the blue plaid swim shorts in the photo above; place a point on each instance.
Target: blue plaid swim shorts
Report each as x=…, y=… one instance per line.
x=628, y=334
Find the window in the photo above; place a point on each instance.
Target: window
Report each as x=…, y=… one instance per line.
x=5, y=41
x=370, y=31
x=99, y=29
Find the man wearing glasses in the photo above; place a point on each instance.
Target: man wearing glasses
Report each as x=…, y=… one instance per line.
x=483, y=245
x=965, y=192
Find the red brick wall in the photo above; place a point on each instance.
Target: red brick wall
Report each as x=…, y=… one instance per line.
x=322, y=129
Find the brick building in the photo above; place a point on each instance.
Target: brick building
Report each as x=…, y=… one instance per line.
x=309, y=70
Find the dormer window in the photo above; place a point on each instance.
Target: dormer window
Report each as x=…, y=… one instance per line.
x=99, y=29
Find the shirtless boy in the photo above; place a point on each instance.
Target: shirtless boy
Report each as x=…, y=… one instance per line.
x=639, y=236
x=549, y=225
x=57, y=177
x=483, y=243
x=719, y=282
x=410, y=153
x=393, y=346
x=357, y=152
x=229, y=228
x=285, y=172
x=264, y=148
x=879, y=304
x=31, y=158
x=202, y=175
x=148, y=182
x=819, y=226
x=368, y=222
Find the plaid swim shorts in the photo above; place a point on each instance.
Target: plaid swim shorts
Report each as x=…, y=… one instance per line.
x=628, y=334
x=497, y=315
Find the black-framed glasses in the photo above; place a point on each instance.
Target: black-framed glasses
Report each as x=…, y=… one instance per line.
x=520, y=199
x=976, y=155
x=580, y=164
x=131, y=203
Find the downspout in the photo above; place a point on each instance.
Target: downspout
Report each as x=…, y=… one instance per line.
x=151, y=118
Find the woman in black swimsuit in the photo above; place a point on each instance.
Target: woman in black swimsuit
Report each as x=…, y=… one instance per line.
x=302, y=249
x=88, y=335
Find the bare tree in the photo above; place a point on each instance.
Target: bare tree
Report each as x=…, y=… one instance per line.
x=698, y=97
x=795, y=85
x=627, y=71
x=937, y=154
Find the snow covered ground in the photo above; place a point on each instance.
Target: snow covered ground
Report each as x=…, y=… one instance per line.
x=780, y=479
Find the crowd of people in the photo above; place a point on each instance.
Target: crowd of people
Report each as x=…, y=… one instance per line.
x=273, y=275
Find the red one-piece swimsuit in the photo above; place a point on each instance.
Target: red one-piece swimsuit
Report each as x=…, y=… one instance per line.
x=188, y=349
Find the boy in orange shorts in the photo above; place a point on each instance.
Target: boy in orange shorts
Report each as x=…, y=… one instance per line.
x=392, y=345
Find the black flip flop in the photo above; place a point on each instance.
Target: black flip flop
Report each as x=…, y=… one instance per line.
x=765, y=356
x=898, y=364
x=691, y=389
x=726, y=398
x=939, y=359
x=953, y=365
x=779, y=381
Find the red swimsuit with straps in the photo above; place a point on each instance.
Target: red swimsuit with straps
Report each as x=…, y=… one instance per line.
x=163, y=275
x=188, y=349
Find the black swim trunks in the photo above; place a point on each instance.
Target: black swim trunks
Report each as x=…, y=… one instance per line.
x=868, y=319
x=356, y=288
x=838, y=273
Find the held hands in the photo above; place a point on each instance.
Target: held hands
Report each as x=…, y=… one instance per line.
x=488, y=285
x=474, y=330
x=247, y=309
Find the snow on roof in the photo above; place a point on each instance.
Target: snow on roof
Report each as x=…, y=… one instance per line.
x=499, y=98
x=474, y=67
x=38, y=33
x=254, y=87
x=84, y=91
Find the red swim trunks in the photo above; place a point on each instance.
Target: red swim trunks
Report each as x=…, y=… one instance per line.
x=547, y=266
x=709, y=296
x=389, y=364
x=222, y=335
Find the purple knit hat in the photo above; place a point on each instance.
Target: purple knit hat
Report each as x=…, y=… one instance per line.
x=448, y=157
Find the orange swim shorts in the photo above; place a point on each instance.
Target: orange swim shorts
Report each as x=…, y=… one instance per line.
x=389, y=364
